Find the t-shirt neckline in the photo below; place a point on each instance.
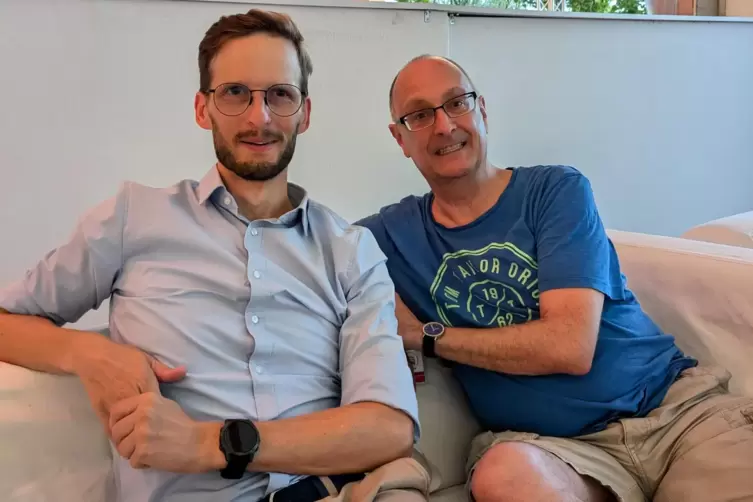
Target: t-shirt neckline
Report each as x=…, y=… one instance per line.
x=482, y=217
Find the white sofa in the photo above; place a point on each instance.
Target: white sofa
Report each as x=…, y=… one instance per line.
x=52, y=448
x=734, y=230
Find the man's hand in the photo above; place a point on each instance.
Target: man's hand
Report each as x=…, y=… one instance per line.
x=111, y=372
x=154, y=432
x=408, y=327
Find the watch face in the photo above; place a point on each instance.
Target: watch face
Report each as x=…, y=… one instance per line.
x=242, y=437
x=433, y=329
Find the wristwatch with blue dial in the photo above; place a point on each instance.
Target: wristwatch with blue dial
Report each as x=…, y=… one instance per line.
x=432, y=332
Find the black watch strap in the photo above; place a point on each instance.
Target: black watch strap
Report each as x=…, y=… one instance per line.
x=427, y=346
x=236, y=466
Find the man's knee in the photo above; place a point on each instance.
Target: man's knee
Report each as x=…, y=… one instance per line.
x=521, y=471
x=509, y=468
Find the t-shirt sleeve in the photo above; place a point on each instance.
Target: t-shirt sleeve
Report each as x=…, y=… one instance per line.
x=573, y=248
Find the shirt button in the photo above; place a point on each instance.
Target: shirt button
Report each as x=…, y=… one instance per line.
x=259, y=369
x=254, y=231
x=257, y=274
x=228, y=201
x=254, y=319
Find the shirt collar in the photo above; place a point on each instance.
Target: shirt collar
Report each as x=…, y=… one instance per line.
x=212, y=183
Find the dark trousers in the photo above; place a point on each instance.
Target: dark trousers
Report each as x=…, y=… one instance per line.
x=311, y=489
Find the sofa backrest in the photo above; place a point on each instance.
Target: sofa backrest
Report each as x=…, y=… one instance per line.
x=700, y=292
x=734, y=230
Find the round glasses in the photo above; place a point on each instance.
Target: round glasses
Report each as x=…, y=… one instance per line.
x=233, y=99
x=453, y=107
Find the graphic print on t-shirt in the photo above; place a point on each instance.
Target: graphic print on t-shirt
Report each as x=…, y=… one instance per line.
x=496, y=285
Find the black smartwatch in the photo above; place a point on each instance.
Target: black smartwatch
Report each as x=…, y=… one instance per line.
x=239, y=441
x=432, y=332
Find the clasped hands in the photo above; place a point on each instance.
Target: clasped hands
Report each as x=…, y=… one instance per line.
x=152, y=431
x=148, y=429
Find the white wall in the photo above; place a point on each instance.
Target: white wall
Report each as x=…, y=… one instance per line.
x=98, y=91
x=659, y=115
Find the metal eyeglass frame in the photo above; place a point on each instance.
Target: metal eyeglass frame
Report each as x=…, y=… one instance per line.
x=251, y=96
x=473, y=94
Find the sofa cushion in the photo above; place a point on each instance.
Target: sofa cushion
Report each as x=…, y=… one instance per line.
x=700, y=292
x=447, y=425
x=53, y=445
x=454, y=494
x=735, y=230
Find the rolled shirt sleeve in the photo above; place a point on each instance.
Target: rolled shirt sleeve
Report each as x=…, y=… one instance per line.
x=77, y=276
x=373, y=363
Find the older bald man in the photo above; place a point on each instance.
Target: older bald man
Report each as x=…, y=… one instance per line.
x=508, y=275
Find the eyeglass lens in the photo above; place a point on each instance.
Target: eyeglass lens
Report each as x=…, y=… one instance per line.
x=455, y=107
x=282, y=99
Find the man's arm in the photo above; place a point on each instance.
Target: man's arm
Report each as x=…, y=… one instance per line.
x=69, y=281
x=563, y=340
x=376, y=423
x=154, y=432
x=353, y=438
x=379, y=412
x=36, y=343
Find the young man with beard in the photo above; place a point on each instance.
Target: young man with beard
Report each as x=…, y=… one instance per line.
x=268, y=319
x=509, y=276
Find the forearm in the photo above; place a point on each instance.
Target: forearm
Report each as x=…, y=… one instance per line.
x=352, y=438
x=37, y=343
x=538, y=347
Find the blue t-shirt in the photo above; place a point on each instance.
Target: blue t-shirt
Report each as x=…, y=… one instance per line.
x=543, y=233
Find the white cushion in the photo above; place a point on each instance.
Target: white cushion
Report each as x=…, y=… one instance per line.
x=447, y=425
x=53, y=445
x=735, y=230
x=700, y=292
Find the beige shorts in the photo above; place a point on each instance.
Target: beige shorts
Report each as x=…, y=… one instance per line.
x=696, y=446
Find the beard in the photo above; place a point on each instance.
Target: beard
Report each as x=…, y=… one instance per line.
x=254, y=171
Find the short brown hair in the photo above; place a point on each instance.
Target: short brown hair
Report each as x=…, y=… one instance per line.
x=242, y=25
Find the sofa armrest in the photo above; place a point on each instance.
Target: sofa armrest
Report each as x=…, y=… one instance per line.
x=53, y=444
x=735, y=230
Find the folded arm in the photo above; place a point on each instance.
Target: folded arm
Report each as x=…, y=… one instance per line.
x=377, y=421
x=563, y=340
x=353, y=438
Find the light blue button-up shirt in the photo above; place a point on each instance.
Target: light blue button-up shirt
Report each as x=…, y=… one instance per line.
x=272, y=318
